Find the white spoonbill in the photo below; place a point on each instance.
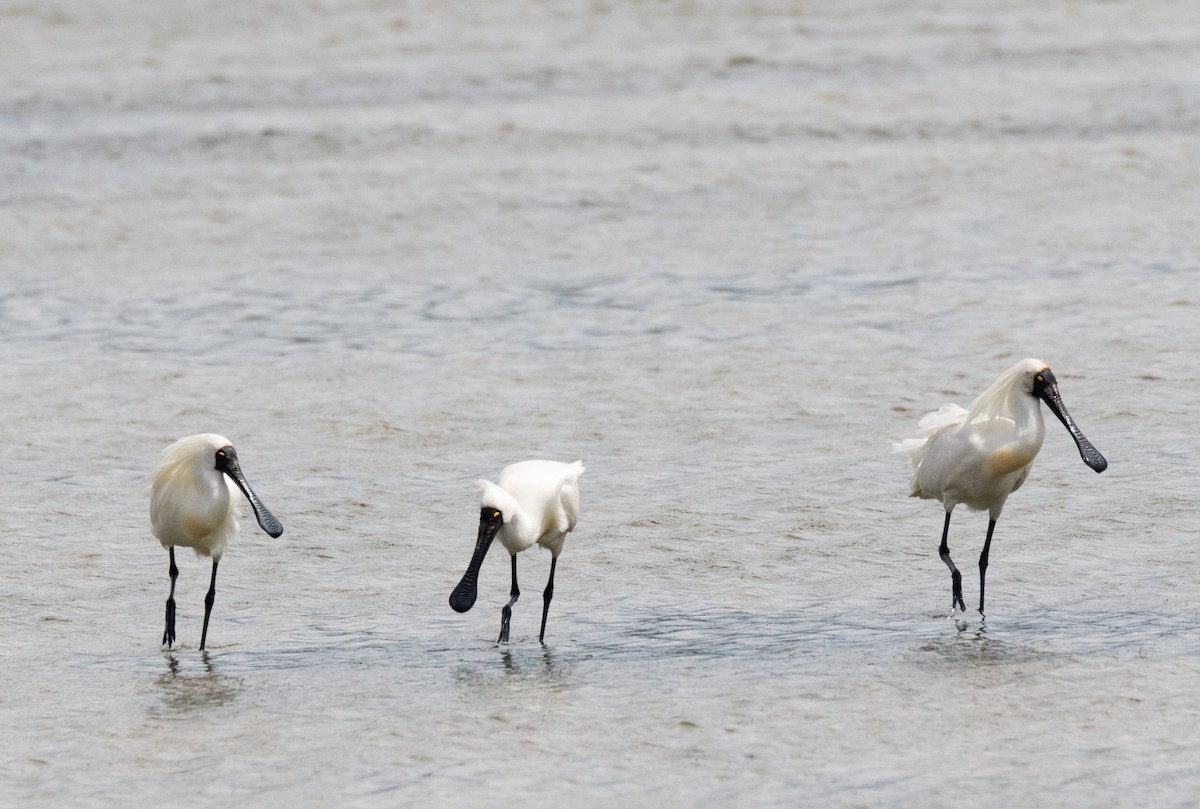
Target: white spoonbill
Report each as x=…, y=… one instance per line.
x=532, y=502
x=193, y=504
x=981, y=455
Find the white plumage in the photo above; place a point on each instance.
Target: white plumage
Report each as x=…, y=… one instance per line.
x=194, y=504
x=981, y=455
x=531, y=503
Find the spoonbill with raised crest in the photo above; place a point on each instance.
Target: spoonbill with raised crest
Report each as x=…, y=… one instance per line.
x=981, y=455
x=194, y=504
x=531, y=503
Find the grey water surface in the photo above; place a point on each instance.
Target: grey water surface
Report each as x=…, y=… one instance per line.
x=726, y=254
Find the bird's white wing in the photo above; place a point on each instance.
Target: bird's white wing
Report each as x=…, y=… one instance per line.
x=563, y=511
x=930, y=429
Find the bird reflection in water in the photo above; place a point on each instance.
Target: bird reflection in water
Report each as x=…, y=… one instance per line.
x=184, y=691
x=550, y=669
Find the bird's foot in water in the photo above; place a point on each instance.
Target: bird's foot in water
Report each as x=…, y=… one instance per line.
x=958, y=610
x=169, y=631
x=956, y=599
x=505, y=617
x=964, y=620
x=959, y=618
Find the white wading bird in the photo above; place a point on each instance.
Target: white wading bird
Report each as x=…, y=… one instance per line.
x=193, y=504
x=979, y=456
x=533, y=502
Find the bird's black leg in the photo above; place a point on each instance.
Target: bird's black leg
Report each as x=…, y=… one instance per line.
x=547, y=594
x=956, y=599
x=983, y=562
x=208, y=602
x=169, y=632
x=506, y=613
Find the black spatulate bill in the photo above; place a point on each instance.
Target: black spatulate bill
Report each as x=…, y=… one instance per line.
x=1045, y=387
x=227, y=462
x=463, y=596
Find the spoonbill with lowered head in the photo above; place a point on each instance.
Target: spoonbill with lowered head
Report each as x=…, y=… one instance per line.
x=532, y=502
x=981, y=455
x=193, y=504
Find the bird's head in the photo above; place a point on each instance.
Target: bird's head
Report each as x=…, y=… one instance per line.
x=495, y=499
x=1030, y=373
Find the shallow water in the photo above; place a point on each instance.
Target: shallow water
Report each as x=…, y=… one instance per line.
x=724, y=257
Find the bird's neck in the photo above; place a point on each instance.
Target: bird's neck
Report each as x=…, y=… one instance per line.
x=1027, y=418
x=520, y=530
x=520, y=522
x=215, y=487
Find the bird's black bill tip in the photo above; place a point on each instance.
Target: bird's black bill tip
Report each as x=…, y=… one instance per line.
x=1094, y=459
x=268, y=523
x=266, y=520
x=1090, y=455
x=463, y=597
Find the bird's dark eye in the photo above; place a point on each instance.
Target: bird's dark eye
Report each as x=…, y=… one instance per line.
x=1040, y=378
x=496, y=515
